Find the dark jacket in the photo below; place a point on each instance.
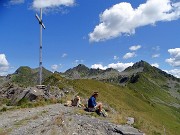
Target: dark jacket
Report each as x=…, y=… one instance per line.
x=92, y=102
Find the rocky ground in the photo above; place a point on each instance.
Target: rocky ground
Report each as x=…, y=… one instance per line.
x=173, y=90
x=57, y=119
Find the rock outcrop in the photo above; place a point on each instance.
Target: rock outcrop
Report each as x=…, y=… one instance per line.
x=59, y=120
x=15, y=93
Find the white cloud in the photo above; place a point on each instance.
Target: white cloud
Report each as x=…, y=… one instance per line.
x=135, y=47
x=156, y=48
x=64, y=55
x=129, y=55
x=4, y=65
x=54, y=67
x=3, y=60
x=175, y=72
x=52, y=3
x=118, y=66
x=115, y=57
x=123, y=19
x=173, y=62
x=15, y=2
x=175, y=57
x=155, y=55
x=76, y=62
x=100, y=66
x=155, y=65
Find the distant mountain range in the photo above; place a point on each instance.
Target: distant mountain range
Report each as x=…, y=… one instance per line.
x=81, y=71
x=113, y=75
x=26, y=76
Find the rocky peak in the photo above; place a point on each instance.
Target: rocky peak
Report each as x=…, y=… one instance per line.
x=81, y=67
x=111, y=69
x=141, y=64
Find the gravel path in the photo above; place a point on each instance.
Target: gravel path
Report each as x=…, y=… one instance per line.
x=57, y=120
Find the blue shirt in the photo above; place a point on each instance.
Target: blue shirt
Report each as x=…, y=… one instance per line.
x=92, y=102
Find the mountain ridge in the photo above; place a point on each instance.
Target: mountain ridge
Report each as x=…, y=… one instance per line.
x=26, y=75
x=81, y=71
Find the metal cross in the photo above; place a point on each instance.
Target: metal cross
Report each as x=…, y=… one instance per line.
x=40, y=49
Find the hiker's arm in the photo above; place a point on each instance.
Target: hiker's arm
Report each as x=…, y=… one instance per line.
x=94, y=102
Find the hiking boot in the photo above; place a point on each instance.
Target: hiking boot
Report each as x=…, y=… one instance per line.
x=101, y=114
x=104, y=113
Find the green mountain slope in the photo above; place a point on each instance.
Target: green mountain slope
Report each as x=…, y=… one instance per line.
x=25, y=76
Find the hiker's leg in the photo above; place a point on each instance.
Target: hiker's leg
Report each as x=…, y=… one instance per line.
x=99, y=106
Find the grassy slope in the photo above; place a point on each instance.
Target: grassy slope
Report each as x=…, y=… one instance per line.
x=161, y=114
x=149, y=116
x=26, y=76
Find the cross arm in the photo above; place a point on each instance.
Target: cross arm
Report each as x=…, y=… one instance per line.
x=40, y=21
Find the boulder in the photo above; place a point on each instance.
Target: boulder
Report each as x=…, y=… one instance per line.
x=17, y=96
x=34, y=93
x=130, y=120
x=30, y=93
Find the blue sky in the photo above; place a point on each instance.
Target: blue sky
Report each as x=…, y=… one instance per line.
x=97, y=33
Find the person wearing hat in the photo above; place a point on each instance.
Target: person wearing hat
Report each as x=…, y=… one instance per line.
x=92, y=105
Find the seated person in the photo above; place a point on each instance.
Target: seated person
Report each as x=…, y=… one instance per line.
x=74, y=102
x=92, y=105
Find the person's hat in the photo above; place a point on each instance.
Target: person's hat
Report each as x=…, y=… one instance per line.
x=96, y=93
x=77, y=97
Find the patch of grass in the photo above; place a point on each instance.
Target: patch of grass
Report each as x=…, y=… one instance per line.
x=62, y=100
x=43, y=112
x=178, y=90
x=4, y=109
x=118, y=118
x=25, y=103
x=53, y=131
x=156, y=133
x=2, y=132
x=4, y=101
x=20, y=123
x=70, y=119
x=81, y=111
x=58, y=121
x=5, y=131
x=25, y=121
